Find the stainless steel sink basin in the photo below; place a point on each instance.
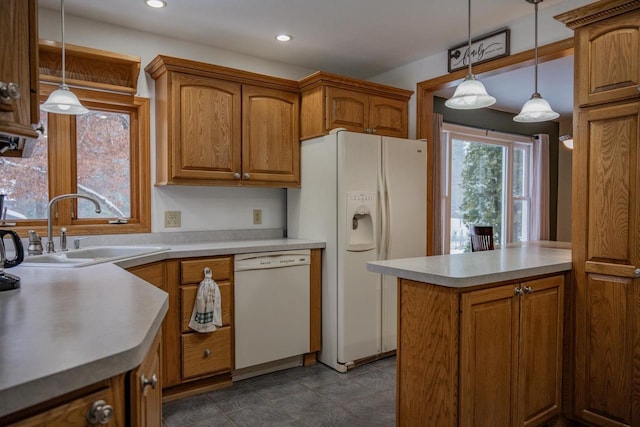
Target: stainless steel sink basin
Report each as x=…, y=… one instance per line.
x=90, y=255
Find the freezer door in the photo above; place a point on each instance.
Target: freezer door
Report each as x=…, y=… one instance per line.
x=405, y=176
x=359, y=291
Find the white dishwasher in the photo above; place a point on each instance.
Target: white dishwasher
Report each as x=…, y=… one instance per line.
x=271, y=306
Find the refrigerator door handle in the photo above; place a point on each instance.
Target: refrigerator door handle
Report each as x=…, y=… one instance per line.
x=383, y=217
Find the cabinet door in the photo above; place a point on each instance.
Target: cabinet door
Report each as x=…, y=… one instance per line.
x=489, y=357
x=346, y=109
x=19, y=65
x=608, y=56
x=606, y=258
x=270, y=136
x=146, y=390
x=388, y=117
x=206, y=135
x=540, y=355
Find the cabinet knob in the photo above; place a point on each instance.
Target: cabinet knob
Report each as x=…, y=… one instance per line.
x=207, y=353
x=9, y=91
x=99, y=413
x=153, y=381
x=373, y=130
x=528, y=290
x=236, y=175
x=246, y=175
x=636, y=272
x=518, y=290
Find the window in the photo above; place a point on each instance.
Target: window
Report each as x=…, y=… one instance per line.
x=486, y=182
x=103, y=154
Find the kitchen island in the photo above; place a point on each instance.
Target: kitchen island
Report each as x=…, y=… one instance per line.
x=479, y=336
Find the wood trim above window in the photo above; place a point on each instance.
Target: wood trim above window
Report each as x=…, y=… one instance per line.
x=88, y=67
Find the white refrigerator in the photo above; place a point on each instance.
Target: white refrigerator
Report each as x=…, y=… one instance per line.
x=365, y=196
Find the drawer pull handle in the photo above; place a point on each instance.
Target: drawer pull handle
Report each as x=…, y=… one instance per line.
x=153, y=381
x=100, y=413
x=207, y=353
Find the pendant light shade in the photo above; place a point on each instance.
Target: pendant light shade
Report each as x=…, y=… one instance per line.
x=536, y=109
x=470, y=94
x=62, y=100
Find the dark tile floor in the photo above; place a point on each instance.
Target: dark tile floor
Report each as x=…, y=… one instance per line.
x=314, y=396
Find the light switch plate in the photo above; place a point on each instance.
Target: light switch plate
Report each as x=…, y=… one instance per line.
x=171, y=219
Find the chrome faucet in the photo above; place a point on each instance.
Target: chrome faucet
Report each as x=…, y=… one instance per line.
x=52, y=202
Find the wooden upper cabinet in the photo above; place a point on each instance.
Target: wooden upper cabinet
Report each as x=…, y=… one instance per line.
x=346, y=109
x=19, y=67
x=607, y=51
x=388, y=116
x=206, y=127
x=270, y=135
x=330, y=101
x=221, y=126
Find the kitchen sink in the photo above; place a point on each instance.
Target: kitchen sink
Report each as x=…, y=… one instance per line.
x=90, y=255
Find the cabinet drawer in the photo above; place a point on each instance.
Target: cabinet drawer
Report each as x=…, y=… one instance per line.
x=206, y=353
x=188, y=297
x=74, y=413
x=192, y=271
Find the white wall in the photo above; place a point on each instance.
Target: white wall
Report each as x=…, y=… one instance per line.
x=202, y=208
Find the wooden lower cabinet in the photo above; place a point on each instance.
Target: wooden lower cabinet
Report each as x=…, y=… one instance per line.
x=488, y=357
x=130, y=399
x=145, y=385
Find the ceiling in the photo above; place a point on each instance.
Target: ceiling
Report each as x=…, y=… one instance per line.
x=356, y=38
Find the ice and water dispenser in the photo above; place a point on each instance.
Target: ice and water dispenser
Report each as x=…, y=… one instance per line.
x=361, y=220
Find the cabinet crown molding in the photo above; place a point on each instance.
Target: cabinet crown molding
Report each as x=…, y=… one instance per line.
x=595, y=12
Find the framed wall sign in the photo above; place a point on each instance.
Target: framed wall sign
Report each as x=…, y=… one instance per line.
x=483, y=49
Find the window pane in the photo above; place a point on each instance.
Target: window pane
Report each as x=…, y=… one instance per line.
x=520, y=220
x=25, y=182
x=519, y=172
x=477, y=172
x=103, y=150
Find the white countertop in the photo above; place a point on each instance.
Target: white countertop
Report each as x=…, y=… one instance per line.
x=477, y=268
x=66, y=328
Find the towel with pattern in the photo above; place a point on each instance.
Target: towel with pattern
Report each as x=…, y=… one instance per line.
x=207, y=310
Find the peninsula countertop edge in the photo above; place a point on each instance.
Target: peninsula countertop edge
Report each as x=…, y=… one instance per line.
x=477, y=268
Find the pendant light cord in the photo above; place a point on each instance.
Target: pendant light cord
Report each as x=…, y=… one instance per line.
x=63, y=52
x=536, y=50
x=469, y=33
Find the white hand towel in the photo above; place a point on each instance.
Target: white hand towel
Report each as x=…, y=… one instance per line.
x=207, y=310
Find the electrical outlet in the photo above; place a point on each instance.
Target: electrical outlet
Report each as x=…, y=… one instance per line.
x=172, y=218
x=257, y=216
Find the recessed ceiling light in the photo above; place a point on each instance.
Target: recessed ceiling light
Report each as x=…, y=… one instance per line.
x=156, y=3
x=283, y=37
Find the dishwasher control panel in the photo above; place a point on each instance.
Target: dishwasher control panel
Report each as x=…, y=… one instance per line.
x=265, y=260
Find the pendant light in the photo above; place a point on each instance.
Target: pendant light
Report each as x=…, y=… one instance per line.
x=536, y=109
x=470, y=94
x=62, y=100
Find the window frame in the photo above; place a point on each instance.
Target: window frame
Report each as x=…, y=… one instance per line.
x=510, y=142
x=61, y=170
